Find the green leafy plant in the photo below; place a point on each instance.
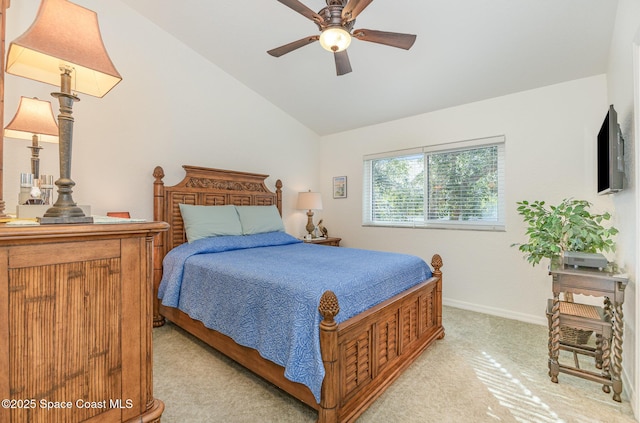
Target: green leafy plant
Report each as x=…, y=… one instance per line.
x=569, y=226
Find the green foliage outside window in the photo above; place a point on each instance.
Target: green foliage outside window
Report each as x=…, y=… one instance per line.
x=463, y=184
x=398, y=189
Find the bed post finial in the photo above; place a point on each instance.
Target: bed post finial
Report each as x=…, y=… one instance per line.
x=329, y=307
x=436, y=262
x=158, y=173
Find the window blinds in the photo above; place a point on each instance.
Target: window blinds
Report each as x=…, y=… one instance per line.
x=449, y=185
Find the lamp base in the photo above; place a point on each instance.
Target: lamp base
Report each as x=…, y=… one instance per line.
x=64, y=220
x=64, y=215
x=310, y=226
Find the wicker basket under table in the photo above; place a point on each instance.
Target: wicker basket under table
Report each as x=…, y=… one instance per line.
x=571, y=335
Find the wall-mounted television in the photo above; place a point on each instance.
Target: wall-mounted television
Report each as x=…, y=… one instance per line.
x=610, y=155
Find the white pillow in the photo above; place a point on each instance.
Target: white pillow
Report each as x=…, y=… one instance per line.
x=259, y=219
x=208, y=221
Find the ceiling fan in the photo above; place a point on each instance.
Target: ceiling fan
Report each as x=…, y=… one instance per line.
x=335, y=22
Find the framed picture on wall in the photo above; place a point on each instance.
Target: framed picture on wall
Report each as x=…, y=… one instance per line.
x=339, y=187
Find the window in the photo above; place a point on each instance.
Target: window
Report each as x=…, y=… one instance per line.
x=457, y=185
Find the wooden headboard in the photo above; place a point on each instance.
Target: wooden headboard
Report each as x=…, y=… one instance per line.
x=206, y=187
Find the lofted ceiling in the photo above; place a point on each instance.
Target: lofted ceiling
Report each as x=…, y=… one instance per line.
x=466, y=51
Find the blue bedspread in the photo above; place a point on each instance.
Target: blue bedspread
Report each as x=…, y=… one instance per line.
x=263, y=291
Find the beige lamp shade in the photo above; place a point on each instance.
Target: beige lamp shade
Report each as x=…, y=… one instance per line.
x=309, y=201
x=64, y=35
x=34, y=117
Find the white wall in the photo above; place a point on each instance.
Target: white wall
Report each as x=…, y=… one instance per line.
x=621, y=76
x=550, y=155
x=172, y=108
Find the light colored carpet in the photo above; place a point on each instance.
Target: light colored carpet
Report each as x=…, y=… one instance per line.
x=486, y=369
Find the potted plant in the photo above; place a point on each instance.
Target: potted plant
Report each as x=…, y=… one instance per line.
x=569, y=226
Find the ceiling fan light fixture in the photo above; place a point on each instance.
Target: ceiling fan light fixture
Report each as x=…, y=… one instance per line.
x=335, y=39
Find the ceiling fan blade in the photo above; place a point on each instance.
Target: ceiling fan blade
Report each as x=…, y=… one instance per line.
x=279, y=51
x=342, y=62
x=303, y=10
x=353, y=9
x=393, y=39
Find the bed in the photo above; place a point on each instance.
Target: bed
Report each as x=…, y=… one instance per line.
x=360, y=355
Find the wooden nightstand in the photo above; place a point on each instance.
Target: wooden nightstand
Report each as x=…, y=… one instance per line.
x=334, y=242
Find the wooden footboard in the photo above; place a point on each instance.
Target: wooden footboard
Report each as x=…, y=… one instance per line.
x=365, y=354
x=362, y=356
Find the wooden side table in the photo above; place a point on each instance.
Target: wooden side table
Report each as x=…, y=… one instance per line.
x=596, y=283
x=331, y=241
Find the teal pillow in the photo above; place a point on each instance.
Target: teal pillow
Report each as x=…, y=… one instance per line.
x=259, y=219
x=207, y=221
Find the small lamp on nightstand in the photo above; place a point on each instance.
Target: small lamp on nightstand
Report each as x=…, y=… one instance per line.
x=309, y=201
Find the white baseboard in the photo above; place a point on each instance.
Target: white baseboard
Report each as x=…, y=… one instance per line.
x=507, y=314
x=628, y=389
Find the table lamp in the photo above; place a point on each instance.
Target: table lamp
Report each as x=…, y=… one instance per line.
x=63, y=47
x=309, y=201
x=33, y=121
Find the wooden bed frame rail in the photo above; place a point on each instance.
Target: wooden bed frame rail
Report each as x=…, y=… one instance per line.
x=362, y=356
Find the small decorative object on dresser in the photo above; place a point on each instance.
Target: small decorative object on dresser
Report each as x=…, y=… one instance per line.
x=121, y=214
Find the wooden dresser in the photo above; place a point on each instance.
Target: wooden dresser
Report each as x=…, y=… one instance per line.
x=75, y=323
